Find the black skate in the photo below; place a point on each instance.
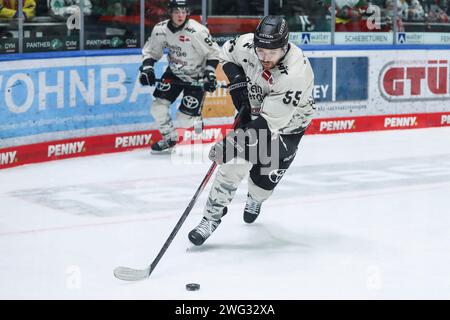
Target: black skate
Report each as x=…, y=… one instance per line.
x=252, y=209
x=202, y=232
x=163, y=146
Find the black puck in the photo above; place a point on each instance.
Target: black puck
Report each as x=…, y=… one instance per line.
x=192, y=287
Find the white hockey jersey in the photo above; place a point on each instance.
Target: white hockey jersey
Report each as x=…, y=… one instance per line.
x=282, y=95
x=188, y=48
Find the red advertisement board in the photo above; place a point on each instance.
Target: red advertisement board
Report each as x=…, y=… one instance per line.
x=89, y=146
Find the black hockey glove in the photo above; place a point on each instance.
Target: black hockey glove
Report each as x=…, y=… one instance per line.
x=225, y=150
x=211, y=81
x=147, y=76
x=242, y=104
x=237, y=143
x=238, y=91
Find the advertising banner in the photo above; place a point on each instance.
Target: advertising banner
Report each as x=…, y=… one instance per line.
x=423, y=38
x=83, y=94
x=94, y=145
x=364, y=38
x=376, y=82
x=61, y=95
x=44, y=100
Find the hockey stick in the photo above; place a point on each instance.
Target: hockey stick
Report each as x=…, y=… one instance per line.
x=195, y=84
x=130, y=274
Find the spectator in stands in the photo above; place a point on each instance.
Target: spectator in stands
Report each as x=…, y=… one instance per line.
x=349, y=15
x=109, y=8
x=389, y=14
x=302, y=15
x=61, y=9
x=412, y=10
x=9, y=9
x=232, y=7
x=118, y=9
x=435, y=10
x=156, y=9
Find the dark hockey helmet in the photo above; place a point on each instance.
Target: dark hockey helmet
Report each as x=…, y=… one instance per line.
x=271, y=33
x=173, y=4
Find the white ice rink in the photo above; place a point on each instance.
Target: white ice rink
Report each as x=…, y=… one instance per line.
x=357, y=216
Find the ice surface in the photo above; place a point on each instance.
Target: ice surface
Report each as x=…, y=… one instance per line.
x=357, y=216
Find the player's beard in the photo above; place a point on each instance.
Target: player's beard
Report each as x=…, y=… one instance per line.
x=269, y=58
x=267, y=65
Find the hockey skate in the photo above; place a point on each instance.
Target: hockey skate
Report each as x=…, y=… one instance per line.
x=202, y=232
x=163, y=146
x=252, y=209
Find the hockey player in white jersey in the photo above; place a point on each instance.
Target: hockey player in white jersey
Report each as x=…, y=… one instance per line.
x=193, y=57
x=271, y=83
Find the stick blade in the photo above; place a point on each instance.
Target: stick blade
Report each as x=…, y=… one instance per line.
x=130, y=274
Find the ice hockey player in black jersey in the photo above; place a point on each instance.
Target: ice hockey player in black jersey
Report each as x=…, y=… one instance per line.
x=271, y=83
x=192, y=56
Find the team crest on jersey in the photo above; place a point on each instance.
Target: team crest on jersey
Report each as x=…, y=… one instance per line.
x=276, y=175
x=163, y=86
x=190, y=102
x=267, y=75
x=184, y=39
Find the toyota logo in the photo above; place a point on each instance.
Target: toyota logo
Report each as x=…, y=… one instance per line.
x=190, y=102
x=276, y=175
x=163, y=86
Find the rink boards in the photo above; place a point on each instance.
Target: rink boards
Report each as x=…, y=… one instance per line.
x=56, y=108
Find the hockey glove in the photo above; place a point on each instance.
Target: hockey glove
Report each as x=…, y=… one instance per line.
x=216, y=153
x=147, y=76
x=210, y=80
x=242, y=104
x=237, y=143
x=238, y=91
x=229, y=148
